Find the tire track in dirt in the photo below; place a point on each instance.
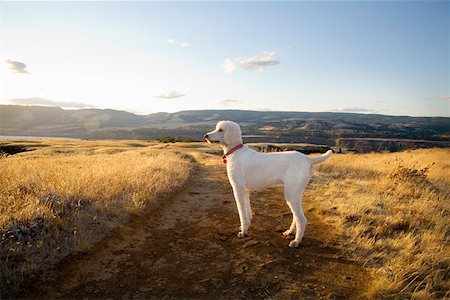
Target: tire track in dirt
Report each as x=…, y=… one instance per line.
x=186, y=247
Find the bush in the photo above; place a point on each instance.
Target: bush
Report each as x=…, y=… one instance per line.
x=168, y=139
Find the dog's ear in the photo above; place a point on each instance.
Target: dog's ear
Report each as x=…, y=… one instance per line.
x=232, y=133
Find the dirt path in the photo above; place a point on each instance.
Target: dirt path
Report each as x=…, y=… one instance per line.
x=186, y=247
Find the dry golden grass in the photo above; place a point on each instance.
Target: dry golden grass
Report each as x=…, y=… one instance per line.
x=66, y=195
x=393, y=209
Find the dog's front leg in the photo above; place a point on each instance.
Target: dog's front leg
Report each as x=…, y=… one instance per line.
x=248, y=208
x=292, y=228
x=239, y=196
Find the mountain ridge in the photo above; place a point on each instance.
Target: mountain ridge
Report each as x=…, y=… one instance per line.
x=264, y=126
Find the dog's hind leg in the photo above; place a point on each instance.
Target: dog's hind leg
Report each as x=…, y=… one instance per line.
x=294, y=200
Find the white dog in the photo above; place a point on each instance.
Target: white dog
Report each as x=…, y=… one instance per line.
x=249, y=170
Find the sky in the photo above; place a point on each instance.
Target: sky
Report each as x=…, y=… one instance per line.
x=382, y=57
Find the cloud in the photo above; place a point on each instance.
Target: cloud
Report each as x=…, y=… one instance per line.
x=47, y=102
x=252, y=63
x=17, y=67
x=179, y=43
x=355, y=110
x=229, y=103
x=259, y=62
x=170, y=95
x=445, y=98
x=229, y=66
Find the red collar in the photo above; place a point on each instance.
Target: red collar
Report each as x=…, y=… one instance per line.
x=224, y=157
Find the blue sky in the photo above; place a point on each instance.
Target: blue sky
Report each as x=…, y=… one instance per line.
x=144, y=57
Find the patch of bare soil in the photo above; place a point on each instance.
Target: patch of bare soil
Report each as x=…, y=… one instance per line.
x=186, y=247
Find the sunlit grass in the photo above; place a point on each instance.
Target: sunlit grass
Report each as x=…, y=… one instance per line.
x=389, y=210
x=393, y=209
x=65, y=196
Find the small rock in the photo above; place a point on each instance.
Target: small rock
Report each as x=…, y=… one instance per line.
x=220, y=237
x=250, y=244
x=200, y=289
x=247, y=238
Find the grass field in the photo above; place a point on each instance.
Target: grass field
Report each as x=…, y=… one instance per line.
x=390, y=210
x=63, y=197
x=393, y=209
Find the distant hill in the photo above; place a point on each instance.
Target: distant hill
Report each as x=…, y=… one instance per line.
x=341, y=129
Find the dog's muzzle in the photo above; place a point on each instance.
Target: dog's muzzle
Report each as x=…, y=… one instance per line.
x=207, y=139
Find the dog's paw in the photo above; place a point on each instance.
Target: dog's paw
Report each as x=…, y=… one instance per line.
x=287, y=233
x=294, y=244
x=241, y=235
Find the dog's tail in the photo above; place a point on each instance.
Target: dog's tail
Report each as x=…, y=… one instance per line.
x=321, y=158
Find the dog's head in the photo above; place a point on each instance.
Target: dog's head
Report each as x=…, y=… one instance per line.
x=226, y=133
